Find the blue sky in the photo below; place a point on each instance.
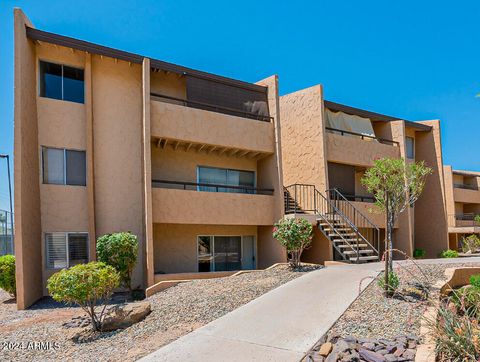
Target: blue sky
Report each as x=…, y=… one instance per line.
x=410, y=59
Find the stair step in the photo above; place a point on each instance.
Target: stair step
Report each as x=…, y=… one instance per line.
x=337, y=229
x=361, y=251
x=343, y=234
x=345, y=246
x=365, y=258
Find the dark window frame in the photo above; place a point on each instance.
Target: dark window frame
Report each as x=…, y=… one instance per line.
x=66, y=235
x=407, y=153
x=40, y=74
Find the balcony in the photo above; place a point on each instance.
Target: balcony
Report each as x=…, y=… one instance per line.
x=178, y=121
x=211, y=204
x=468, y=194
x=358, y=149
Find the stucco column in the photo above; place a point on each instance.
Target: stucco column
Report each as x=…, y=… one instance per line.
x=147, y=175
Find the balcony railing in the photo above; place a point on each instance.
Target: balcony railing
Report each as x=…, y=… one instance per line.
x=362, y=136
x=465, y=186
x=467, y=218
x=359, y=198
x=208, y=187
x=213, y=108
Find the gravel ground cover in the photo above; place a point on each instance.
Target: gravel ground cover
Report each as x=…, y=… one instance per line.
x=175, y=312
x=375, y=328
x=374, y=316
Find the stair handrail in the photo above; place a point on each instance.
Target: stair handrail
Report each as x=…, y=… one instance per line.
x=355, y=249
x=357, y=211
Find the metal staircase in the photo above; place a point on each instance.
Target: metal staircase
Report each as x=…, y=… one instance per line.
x=351, y=233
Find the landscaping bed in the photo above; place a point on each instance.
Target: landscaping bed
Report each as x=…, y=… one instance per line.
x=175, y=312
x=384, y=326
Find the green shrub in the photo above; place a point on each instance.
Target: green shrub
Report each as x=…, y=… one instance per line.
x=475, y=281
x=86, y=285
x=295, y=235
x=7, y=274
x=419, y=253
x=449, y=254
x=119, y=250
x=393, y=282
x=470, y=244
x=467, y=301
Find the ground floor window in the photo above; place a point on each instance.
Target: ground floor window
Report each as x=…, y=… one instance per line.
x=225, y=253
x=64, y=250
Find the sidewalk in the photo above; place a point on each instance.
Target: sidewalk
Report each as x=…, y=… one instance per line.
x=281, y=325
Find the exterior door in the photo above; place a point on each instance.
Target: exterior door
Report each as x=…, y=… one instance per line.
x=248, y=253
x=228, y=253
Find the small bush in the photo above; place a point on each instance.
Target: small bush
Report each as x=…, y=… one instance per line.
x=86, y=285
x=475, y=281
x=419, y=253
x=467, y=301
x=393, y=282
x=449, y=254
x=7, y=274
x=119, y=250
x=470, y=244
x=295, y=235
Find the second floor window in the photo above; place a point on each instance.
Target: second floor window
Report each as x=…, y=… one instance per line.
x=63, y=167
x=59, y=81
x=410, y=145
x=227, y=177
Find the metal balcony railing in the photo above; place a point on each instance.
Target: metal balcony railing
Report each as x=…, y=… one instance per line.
x=466, y=186
x=209, y=187
x=212, y=107
x=362, y=136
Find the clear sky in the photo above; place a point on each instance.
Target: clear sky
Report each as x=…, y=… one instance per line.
x=414, y=60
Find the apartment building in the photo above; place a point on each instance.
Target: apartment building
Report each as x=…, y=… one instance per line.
x=462, y=191
x=107, y=141
x=326, y=148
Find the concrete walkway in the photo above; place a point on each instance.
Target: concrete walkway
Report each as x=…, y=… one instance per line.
x=281, y=325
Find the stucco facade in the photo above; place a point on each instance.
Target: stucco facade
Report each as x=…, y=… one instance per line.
x=319, y=154
x=132, y=135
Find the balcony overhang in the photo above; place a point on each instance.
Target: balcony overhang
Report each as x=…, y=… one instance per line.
x=209, y=149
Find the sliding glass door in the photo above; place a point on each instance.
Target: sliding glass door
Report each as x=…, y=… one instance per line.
x=225, y=253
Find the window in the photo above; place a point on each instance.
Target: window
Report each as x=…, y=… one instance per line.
x=410, y=145
x=64, y=250
x=223, y=176
x=63, y=167
x=61, y=82
x=225, y=253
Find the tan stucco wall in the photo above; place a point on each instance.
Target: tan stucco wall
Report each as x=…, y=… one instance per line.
x=169, y=84
x=171, y=165
x=303, y=138
x=431, y=230
x=176, y=245
x=198, y=126
x=26, y=169
x=117, y=113
x=320, y=251
x=194, y=207
x=466, y=195
x=355, y=151
x=451, y=207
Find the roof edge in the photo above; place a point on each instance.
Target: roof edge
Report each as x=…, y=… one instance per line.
x=45, y=36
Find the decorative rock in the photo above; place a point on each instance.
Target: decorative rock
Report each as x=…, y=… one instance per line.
x=409, y=354
x=390, y=358
x=370, y=346
x=399, y=351
x=342, y=346
x=124, y=316
x=370, y=356
x=383, y=352
x=325, y=349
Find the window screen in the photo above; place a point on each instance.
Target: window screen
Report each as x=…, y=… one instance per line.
x=64, y=250
x=61, y=82
x=410, y=145
x=56, y=250
x=222, y=176
x=53, y=166
x=76, y=167
x=63, y=167
x=77, y=249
